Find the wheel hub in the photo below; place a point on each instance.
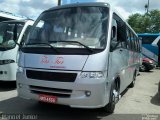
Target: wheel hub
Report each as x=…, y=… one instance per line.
x=115, y=96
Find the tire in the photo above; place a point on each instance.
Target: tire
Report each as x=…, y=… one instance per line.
x=114, y=97
x=133, y=82
x=147, y=70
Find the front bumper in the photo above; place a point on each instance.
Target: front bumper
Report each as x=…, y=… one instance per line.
x=99, y=89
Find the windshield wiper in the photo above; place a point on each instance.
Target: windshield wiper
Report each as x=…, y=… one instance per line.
x=53, y=48
x=88, y=48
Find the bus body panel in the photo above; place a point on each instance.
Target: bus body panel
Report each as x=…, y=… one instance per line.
x=150, y=51
x=68, y=62
x=82, y=81
x=63, y=62
x=120, y=66
x=151, y=46
x=77, y=98
x=97, y=62
x=8, y=70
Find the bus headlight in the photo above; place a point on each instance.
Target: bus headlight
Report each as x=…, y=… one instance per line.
x=94, y=75
x=8, y=61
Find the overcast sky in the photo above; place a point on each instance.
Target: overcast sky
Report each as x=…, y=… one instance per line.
x=32, y=8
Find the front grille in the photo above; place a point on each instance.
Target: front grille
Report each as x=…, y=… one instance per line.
x=51, y=76
x=63, y=93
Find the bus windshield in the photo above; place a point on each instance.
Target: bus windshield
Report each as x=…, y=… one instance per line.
x=84, y=25
x=9, y=33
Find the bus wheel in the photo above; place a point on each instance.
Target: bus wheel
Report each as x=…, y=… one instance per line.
x=133, y=82
x=114, y=97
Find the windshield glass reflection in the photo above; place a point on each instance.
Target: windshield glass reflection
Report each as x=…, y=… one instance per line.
x=86, y=25
x=9, y=33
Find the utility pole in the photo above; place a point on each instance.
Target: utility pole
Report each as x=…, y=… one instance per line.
x=147, y=7
x=59, y=2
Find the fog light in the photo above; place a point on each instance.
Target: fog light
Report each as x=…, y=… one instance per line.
x=88, y=93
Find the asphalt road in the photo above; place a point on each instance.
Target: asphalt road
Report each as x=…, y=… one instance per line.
x=138, y=103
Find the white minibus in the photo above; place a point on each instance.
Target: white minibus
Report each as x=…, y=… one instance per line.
x=11, y=34
x=83, y=55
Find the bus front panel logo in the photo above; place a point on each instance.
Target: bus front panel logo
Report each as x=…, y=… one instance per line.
x=59, y=60
x=44, y=60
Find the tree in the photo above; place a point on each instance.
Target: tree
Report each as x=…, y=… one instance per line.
x=155, y=21
x=147, y=23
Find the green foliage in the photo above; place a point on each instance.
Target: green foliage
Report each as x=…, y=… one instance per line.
x=147, y=23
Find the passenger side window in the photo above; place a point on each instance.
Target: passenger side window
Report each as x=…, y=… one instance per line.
x=114, y=40
x=128, y=39
x=118, y=33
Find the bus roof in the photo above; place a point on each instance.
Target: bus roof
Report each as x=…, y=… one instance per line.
x=96, y=4
x=9, y=15
x=22, y=20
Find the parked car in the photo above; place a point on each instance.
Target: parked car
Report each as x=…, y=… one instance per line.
x=147, y=65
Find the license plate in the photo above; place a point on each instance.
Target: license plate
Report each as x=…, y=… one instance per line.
x=47, y=98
